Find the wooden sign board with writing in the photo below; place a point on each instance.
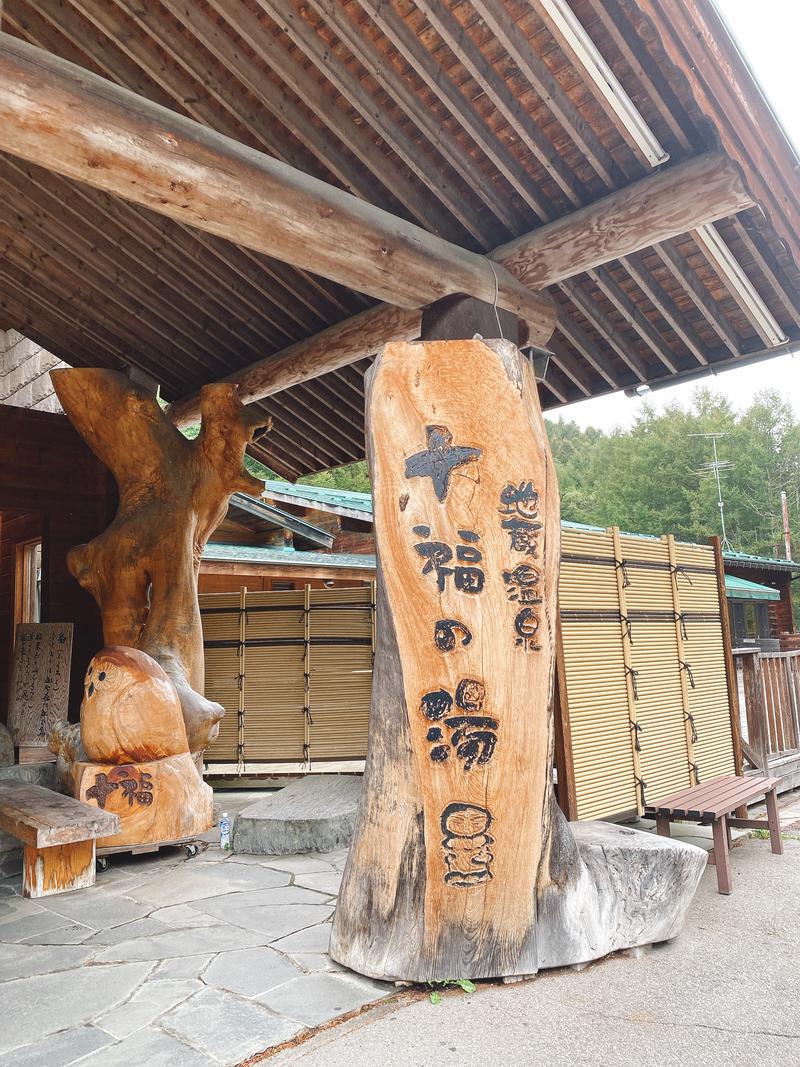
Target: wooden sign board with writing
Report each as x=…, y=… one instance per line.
x=462, y=865
x=39, y=681
x=443, y=871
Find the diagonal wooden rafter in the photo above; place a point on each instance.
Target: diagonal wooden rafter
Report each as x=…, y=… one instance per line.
x=446, y=187
x=72, y=38
x=445, y=143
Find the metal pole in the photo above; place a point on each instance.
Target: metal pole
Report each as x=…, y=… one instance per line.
x=787, y=533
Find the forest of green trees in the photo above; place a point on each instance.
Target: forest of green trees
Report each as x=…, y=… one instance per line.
x=644, y=478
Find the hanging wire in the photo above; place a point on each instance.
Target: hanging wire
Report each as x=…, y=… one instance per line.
x=688, y=668
x=494, y=302
x=679, y=570
x=690, y=720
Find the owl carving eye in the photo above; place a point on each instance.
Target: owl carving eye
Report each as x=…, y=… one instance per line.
x=90, y=690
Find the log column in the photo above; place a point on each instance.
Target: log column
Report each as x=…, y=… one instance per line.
x=455, y=819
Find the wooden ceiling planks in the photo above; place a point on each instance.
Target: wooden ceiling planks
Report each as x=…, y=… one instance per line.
x=466, y=117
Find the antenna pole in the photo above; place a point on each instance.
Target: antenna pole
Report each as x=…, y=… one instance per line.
x=716, y=466
x=787, y=533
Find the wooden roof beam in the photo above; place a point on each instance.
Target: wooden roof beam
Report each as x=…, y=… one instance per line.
x=445, y=184
x=635, y=318
x=613, y=337
x=86, y=128
x=680, y=270
x=464, y=48
x=81, y=47
x=633, y=218
x=666, y=307
x=413, y=50
x=427, y=121
x=533, y=68
x=663, y=205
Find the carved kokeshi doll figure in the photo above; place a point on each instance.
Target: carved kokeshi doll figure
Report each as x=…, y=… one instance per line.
x=133, y=733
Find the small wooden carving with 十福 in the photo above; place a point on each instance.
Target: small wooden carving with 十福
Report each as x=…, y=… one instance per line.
x=143, y=569
x=138, y=765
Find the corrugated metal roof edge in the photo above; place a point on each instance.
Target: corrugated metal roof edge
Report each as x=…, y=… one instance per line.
x=287, y=557
x=763, y=561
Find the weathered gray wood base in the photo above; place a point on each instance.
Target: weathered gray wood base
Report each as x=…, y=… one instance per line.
x=315, y=814
x=613, y=888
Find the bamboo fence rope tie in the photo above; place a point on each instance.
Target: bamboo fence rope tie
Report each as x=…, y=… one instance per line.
x=629, y=677
x=307, y=677
x=240, y=758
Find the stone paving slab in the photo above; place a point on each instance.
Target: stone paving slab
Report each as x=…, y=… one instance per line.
x=58, y=1050
x=166, y=959
x=228, y=1028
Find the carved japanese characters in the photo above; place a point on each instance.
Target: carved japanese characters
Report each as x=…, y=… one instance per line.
x=443, y=870
x=461, y=862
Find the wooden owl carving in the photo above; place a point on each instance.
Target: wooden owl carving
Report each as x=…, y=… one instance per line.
x=130, y=711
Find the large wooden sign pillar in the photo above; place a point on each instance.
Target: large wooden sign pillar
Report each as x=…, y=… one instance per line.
x=445, y=863
x=461, y=863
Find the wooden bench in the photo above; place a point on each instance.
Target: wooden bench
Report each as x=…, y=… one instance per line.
x=58, y=834
x=712, y=803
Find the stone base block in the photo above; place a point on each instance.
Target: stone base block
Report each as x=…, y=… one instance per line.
x=157, y=802
x=315, y=814
x=615, y=888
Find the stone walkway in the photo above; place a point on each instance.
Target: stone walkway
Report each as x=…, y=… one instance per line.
x=202, y=961
x=177, y=961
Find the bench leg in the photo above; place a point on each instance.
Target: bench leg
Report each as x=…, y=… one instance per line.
x=774, y=822
x=722, y=856
x=58, y=869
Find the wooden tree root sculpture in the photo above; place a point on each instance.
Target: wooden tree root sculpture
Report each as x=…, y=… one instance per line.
x=143, y=569
x=461, y=863
x=138, y=764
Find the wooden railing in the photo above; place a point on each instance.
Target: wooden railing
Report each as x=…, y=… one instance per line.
x=769, y=698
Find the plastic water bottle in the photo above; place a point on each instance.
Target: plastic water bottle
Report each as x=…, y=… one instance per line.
x=224, y=832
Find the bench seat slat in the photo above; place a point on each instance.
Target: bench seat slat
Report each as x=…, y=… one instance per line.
x=42, y=818
x=713, y=799
x=727, y=803
x=690, y=794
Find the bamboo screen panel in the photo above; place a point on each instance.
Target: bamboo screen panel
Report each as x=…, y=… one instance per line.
x=596, y=677
x=645, y=668
x=705, y=659
x=293, y=670
x=643, y=652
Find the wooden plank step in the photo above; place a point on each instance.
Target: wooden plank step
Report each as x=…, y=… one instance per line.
x=43, y=818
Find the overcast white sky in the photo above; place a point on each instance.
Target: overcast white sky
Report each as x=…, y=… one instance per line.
x=768, y=33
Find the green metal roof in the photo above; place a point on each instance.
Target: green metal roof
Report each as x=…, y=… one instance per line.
x=766, y=562
x=338, y=498
x=286, y=557
x=741, y=589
